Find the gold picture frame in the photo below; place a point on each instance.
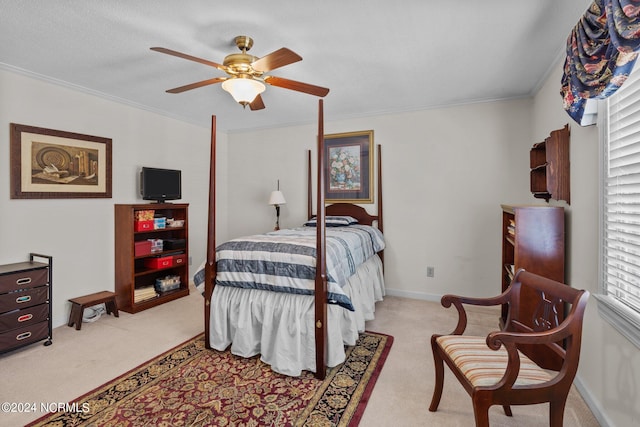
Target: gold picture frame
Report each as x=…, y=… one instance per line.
x=54, y=164
x=349, y=167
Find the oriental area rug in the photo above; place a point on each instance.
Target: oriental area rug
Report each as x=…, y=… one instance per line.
x=193, y=386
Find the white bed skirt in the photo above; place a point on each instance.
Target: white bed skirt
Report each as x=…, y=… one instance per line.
x=280, y=326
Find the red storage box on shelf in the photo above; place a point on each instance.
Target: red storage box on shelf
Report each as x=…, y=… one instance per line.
x=161, y=262
x=142, y=248
x=179, y=259
x=143, y=225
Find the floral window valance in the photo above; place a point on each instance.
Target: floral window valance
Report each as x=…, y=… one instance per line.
x=601, y=52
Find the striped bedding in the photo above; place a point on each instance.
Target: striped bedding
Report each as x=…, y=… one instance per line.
x=285, y=260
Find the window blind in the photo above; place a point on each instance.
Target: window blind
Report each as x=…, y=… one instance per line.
x=621, y=195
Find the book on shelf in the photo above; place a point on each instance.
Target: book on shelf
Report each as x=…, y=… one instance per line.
x=143, y=294
x=510, y=272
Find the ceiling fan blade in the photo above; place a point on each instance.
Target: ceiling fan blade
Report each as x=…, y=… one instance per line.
x=197, y=85
x=277, y=59
x=257, y=104
x=298, y=86
x=189, y=57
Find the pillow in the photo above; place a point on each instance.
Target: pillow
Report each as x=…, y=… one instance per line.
x=333, y=221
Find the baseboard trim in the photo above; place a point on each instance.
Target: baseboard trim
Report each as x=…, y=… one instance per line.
x=413, y=295
x=592, y=403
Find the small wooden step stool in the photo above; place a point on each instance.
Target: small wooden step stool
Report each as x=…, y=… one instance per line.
x=79, y=304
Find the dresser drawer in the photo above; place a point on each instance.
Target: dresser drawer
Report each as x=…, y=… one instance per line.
x=25, y=335
x=21, y=318
x=24, y=299
x=24, y=280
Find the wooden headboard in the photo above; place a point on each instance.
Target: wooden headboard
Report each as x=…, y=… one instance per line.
x=358, y=212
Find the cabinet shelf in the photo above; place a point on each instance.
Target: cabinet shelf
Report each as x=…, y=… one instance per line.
x=163, y=253
x=162, y=298
x=160, y=231
x=132, y=272
x=146, y=272
x=549, y=164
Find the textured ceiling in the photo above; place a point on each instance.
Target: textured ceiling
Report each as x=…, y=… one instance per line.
x=376, y=56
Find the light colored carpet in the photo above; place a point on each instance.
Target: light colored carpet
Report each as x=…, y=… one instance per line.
x=79, y=361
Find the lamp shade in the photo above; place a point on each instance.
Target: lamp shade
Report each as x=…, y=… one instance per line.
x=277, y=198
x=244, y=90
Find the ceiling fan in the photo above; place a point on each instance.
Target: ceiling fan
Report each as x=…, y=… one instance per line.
x=246, y=73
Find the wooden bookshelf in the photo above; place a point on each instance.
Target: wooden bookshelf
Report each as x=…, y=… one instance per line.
x=533, y=238
x=135, y=278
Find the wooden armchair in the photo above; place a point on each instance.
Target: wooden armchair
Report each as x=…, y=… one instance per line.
x=495, y=370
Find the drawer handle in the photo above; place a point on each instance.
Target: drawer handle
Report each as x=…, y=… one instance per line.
x=25, y=317
x=23, y=281
x=25, y=298
x=23, y=336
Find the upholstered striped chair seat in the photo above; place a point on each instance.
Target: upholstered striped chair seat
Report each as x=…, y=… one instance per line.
x=483, y=366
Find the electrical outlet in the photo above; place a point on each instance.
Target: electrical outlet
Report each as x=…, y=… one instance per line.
x=430, y=271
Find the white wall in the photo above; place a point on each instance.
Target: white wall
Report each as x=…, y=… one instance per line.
x=609, y=373
x=445, y=174
x=79, y=233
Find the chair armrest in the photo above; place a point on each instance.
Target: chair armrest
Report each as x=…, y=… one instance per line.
x=497, y=338
x=458, y=302
x=511, y=342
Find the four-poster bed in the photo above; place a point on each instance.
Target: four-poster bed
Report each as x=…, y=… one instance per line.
x=278, y=325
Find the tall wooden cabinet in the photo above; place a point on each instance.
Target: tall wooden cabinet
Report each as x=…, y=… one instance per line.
x=141, y=275
x=533, y=238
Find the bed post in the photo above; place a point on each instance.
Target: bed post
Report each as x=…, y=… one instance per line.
x=380, y=188
x=309, y=187
x=380, y=225
x=321, y=266
x=210, y=267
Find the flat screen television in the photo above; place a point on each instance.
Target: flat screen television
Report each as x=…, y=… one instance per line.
x=160, y=185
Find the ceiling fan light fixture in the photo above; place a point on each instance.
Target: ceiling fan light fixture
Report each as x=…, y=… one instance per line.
x=245, y=79
x=244, y=90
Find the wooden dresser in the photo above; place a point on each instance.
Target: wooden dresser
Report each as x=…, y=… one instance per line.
x=25, y=302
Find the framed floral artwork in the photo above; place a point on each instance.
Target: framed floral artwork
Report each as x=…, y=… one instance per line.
x=53, y=164
x=349, y=167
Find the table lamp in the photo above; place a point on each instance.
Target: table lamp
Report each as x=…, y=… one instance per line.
x=276, y=199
